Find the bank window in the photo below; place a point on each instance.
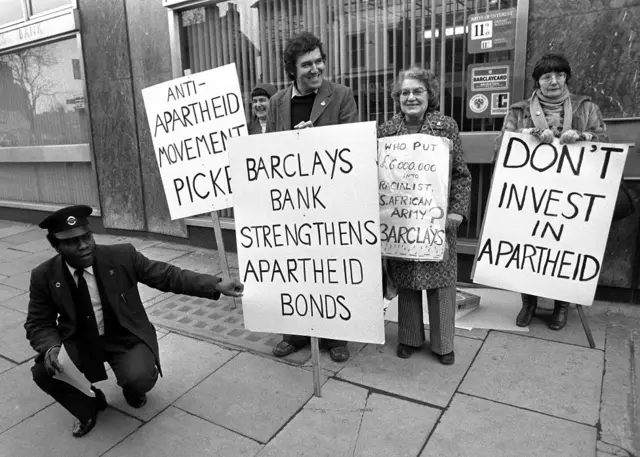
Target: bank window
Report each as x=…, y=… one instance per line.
x=367, y=44
x=11, y=11
x=41, y=6
x=42, y=97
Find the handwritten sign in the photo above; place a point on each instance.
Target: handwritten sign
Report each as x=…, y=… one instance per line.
x=548, y=217
x=308, y=232
x=192, y=119
x=413, y=175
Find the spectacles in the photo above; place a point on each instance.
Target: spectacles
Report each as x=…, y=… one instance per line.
x=405, y=93
x=548, y=76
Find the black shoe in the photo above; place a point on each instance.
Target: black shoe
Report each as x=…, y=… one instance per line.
x=81, y=428
x=339, y=354
x=529, y=305
x=136, y=401
x=404, y=352
x=284, y=348
x=447, y=359
x=559, y=318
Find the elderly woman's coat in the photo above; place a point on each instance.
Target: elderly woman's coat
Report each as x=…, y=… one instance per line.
x=431, y=275
x=586, y=118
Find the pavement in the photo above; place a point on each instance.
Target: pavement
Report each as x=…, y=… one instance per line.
x=540, y=393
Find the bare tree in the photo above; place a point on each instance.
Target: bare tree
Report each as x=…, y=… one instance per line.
x=29, y=68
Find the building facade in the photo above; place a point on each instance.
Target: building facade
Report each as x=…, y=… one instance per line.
x=73, y=127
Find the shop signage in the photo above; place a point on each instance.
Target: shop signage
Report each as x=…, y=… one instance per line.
x=492, y=31
x=413, y=176
x=191, y=120
x=308, y=232
x=488, y=90
x=38, y=30
x=548, y=217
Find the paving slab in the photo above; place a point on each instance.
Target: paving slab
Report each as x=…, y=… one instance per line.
x=216, y=321
x=609, y=450
x=185, y=363
x=326, y=427
x=32, y=233
x=9, y=254
x=394, y=427
x=24, y=263
x=9, y=229
x=572, y=333
x=422, y=377
x=151, y=296
x=175, y=433
x=137, y=242
x=17, y=302
x=5, y=365
x=19, y=398
x=37, y=245
x=13, y=341
x=161, y=254
x=48, y=434
x=199, y=261
x=334, y=367
x=251, y=395
x=20, y=281
x=620, y=403
x=7, y=292
x=481, y=428
x=558, y=379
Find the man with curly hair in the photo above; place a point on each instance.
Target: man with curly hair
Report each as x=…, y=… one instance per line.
x=310, y=101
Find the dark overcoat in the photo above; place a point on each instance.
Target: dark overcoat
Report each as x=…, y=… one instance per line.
x=51, y=318
x=432, y=275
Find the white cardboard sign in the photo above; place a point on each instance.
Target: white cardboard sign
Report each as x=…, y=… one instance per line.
x=413, y=174
x=548, y=217
x=308, y=232
x=192, y=119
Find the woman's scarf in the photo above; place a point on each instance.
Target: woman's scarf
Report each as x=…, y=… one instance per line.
x=554, y=113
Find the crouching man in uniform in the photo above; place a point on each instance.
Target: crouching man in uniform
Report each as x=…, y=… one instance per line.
x=86, y=298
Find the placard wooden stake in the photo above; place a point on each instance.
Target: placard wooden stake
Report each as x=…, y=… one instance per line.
x=217, y=231
x=585, y=325
x=315, y=358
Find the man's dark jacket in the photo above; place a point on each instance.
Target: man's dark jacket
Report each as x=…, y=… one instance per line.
x=334, y=104
x=51, y=318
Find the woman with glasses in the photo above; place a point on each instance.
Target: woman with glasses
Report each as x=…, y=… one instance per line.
x=553, y=112
x=416, y=91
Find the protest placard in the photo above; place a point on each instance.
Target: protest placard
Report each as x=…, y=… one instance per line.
x=548, y=217
x=413, y=175
x=307, y=228
x=191, y=120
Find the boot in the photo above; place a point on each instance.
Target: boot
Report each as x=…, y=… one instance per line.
x=529, y=305
x=559, y=318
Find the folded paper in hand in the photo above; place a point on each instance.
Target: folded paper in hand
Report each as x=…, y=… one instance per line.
x=71, y=375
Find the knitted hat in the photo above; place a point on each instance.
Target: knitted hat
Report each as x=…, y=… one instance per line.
x=263, y=89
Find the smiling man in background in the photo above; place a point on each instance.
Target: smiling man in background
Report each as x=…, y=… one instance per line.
x=311, y=101
x=86, y=298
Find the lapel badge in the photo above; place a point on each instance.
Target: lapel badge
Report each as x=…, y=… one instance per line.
x=323, y=103
x=57, y=284
x=111, y=272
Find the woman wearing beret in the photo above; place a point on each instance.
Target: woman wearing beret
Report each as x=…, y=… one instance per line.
x=260, y=96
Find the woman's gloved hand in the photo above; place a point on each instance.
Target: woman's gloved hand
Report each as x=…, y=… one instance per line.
x=569, y=137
